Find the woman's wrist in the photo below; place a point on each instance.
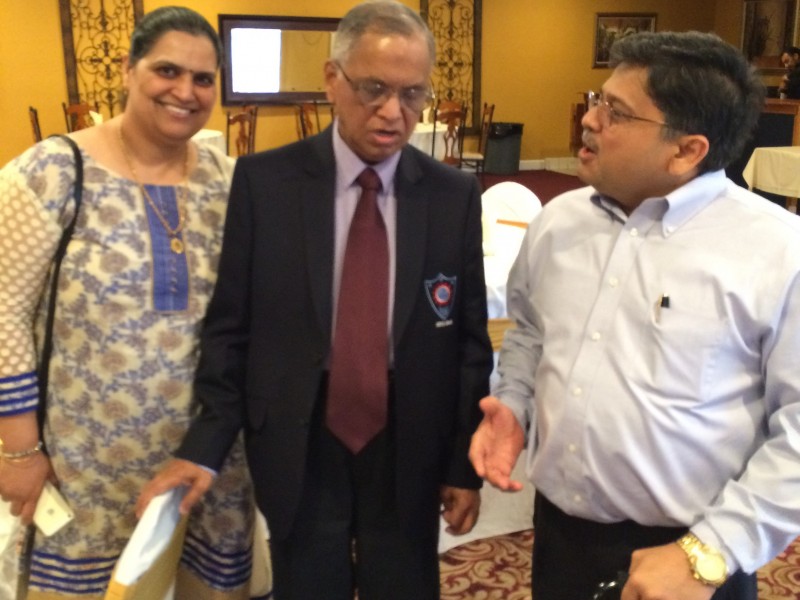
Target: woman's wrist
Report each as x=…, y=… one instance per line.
x=19, y=455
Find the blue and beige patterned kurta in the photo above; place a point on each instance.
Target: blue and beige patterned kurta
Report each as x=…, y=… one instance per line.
x=121, y=370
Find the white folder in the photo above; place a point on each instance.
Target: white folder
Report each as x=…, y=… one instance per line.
x=147, y=566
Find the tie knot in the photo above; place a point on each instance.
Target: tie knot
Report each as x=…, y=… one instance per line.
x=369, y=180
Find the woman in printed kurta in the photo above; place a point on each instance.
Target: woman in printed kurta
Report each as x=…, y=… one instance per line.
x=132, y=292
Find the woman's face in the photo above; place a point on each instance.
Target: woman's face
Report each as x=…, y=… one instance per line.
x=172, y=89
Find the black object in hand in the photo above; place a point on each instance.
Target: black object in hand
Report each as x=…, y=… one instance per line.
x=611, y=590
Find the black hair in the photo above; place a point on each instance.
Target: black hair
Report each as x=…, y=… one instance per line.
x=165, y=19
x=702, y=84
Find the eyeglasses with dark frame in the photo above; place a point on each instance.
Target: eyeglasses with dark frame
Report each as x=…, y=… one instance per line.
x=612, y=116
x=374, y=93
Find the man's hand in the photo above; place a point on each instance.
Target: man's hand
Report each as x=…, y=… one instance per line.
x=177, y=472
x=460, y=509
x=21, y=483
x=663, y=573
x=496, y=445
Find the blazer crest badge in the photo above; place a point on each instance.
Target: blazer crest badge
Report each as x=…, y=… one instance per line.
x=441, y=293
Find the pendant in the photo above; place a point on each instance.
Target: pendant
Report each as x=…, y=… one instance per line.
x=176, y=245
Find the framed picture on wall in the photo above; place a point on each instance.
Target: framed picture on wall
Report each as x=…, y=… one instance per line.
x=610, y=27
x=768, y=26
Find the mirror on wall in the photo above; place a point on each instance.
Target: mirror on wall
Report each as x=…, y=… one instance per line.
x=768, y=26
x=274, y=60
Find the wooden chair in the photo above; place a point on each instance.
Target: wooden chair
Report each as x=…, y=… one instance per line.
x=308, y=119
x=77, y=115
x=245, y=140
x=37, y=131
x=452, y=115
x=477, y=159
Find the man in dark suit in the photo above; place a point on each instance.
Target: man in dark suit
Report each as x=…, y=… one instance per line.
x=349, y=514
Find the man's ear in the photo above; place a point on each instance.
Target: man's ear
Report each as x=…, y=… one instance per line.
x=690, y=152
x=330, y=72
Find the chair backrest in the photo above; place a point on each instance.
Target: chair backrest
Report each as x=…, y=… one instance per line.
x=77, y=116
x=486, y=125
x=451, y=115
x=308, y=118
x=245, y=140
x=37, y=131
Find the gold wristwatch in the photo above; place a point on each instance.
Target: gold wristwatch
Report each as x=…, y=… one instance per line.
x=707, y=563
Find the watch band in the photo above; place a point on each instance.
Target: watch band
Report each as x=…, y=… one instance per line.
x=707, y=563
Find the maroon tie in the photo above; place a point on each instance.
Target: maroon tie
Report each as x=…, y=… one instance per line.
x=358, y=381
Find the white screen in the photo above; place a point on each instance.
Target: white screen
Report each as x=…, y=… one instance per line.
x=253, y=64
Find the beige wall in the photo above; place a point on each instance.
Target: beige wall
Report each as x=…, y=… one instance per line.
x=536, y=60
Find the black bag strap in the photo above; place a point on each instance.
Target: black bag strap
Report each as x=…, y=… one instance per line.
x=61, y=250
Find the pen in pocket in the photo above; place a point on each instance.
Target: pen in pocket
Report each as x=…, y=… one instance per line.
x=661, y=303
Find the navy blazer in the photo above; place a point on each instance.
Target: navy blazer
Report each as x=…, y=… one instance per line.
x=268, y=329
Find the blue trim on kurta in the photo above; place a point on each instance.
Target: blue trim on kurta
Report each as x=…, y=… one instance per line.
x=170, y=270
x=19, y=394
x=53, y=572
x=218, y=569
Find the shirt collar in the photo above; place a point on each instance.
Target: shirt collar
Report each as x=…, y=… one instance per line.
x=689, y=199
x=349, y=165
x=679, y=206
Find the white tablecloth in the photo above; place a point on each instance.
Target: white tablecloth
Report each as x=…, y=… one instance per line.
x=212, y=137
x=422, y=138
x=775, y=170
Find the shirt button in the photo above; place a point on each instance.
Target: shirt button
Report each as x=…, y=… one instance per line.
x=613, y=282
x=595, y=336
x=577, y=498
x=634, y=232
x=572, y=448
x=577, y=390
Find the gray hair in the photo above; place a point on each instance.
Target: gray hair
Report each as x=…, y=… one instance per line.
x=378, y=16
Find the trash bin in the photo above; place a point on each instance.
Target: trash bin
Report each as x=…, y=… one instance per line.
x=502, y=148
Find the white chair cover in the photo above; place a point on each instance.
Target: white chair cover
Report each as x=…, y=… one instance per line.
x=508, y=208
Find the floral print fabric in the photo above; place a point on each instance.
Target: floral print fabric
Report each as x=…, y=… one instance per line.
x=119, y=399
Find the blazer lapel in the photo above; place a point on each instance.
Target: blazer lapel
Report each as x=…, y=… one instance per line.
x=412, y=225
x=317, y=197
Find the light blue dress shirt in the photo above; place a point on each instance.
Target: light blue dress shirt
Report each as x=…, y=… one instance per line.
x=348, y=192
x=678, y=412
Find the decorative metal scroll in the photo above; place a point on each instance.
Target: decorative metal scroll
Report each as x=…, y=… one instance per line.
x=96, y=36
x=456, y=27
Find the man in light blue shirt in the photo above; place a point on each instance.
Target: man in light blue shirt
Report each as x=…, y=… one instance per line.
x=653, y=370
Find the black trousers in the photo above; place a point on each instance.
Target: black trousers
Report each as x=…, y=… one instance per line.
x=572, y=556
x=348, y=535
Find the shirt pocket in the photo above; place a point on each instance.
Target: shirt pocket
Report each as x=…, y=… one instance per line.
x=685, y=350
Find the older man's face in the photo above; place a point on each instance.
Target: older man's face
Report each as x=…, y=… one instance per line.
x=376, y=132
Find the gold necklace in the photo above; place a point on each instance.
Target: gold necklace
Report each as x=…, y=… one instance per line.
x=175, y=242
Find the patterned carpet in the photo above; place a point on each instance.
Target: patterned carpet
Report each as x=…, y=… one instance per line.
x=498, y=568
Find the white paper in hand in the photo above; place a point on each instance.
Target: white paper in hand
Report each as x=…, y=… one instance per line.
x=151, y=536
x=52, y=511
x=9, y=527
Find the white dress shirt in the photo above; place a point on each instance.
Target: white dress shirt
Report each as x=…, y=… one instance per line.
x=683, y=411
